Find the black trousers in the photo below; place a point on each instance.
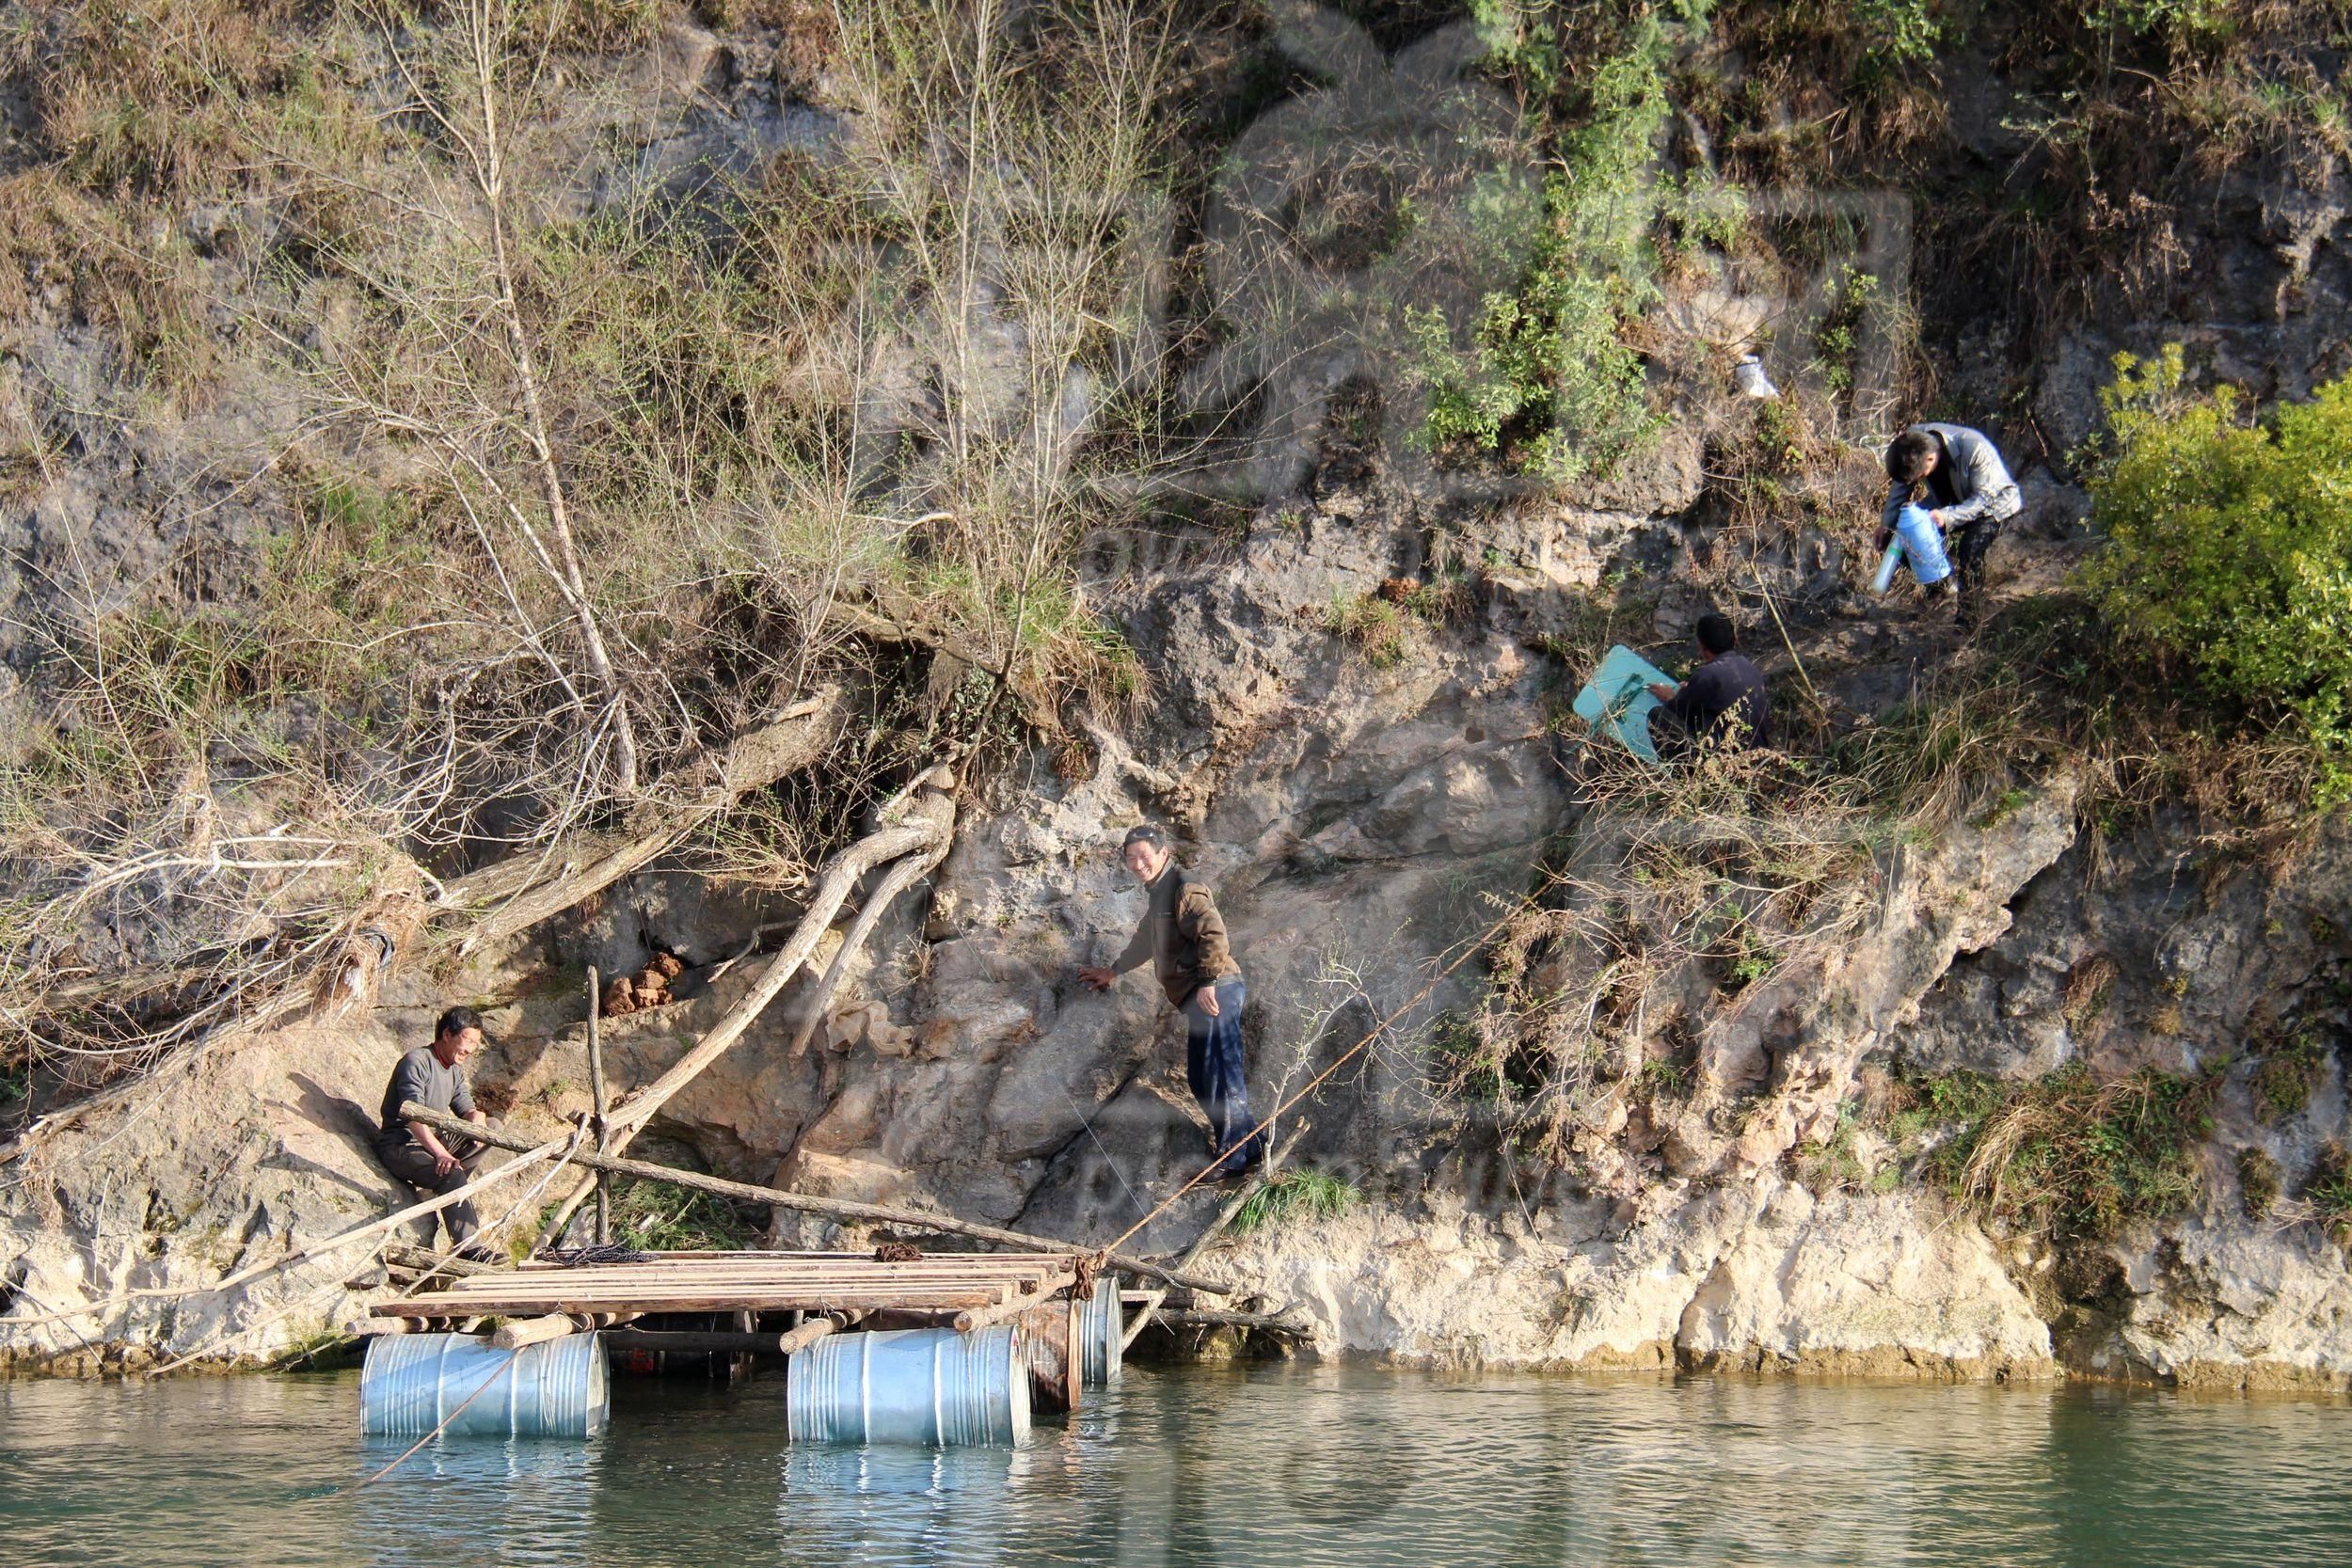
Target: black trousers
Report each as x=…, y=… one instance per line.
x=1967, y=548
x=413, y=1165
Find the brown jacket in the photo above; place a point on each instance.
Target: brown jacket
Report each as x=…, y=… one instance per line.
x=1183, y=936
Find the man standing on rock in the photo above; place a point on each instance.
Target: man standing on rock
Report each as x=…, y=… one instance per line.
x=1183, y=936
x=435, y=1075
x=1957, y=474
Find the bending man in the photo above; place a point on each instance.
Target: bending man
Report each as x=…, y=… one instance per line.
x=435, y=1075
x=1957, y=474
x=1183, y=938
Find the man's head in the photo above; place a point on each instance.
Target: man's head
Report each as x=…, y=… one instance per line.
x=1146, y=851
x=1911, y=456
x=457, y=1036
x=1716, y=637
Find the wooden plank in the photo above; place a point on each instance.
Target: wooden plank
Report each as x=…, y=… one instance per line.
x=1026, y=1285
x=655, y=1301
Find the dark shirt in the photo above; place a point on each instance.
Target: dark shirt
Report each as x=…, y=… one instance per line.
x=1183, y=935
x=421, y=1077
x=1943, y=495
x=1725, y=688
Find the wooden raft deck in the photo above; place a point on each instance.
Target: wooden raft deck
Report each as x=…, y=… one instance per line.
x=747, y=1282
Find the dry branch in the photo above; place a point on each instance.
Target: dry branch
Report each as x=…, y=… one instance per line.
x=919, y=824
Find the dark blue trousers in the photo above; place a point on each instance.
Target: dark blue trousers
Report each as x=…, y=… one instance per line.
x=1214, y=1070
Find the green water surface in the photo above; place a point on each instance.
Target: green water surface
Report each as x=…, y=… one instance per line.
x=1241, y=1466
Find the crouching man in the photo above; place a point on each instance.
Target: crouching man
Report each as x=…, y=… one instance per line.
x=1182, y=937
x=434, y=1076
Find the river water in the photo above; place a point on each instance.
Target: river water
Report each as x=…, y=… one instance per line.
x=1255, y=1465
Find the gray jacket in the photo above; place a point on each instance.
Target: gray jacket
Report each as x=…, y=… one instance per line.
x=1979, y=477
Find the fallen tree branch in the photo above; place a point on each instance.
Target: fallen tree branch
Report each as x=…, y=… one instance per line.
x=808, y=1203
x=505, y=898
x=920, y=823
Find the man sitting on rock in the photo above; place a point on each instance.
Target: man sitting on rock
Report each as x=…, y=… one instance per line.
x=1957, y=474
x=1724, y=702
x=435, y=1075
x=1183, y=938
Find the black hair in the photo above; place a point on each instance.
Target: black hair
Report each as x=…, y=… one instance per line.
x=1144, y=832
x=1716, y=634
x=1907, y=457
x=457, y=1021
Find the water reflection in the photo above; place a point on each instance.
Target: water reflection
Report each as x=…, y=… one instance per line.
x=1198, y=1469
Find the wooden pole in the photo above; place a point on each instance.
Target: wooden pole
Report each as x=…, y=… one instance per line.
x=832, y=1208
x=792, y=1341
x=973, y=1319
x=599, y=1125
x=533, y=1331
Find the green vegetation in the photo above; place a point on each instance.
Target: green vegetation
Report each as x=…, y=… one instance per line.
x=1293, y=1196
x=2064, y=1156
x=2260, y=1183
x=1545, y=378
x=2329, y=1192
x=654, y=1217
x=2284, y=1073
x=2230, y=547
x=1378, y=628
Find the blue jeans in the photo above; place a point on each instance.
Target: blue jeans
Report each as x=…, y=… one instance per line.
x=1923, y=546
x=1214, y=1070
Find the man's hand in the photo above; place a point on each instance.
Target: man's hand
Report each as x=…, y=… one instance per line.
x=1662, y=690
x=1101, y=979
x=444, y=1162
x=1937, y=518
x=1886, y=537
x=1207, y=998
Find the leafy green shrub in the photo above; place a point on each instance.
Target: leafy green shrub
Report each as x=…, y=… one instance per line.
x=2229, y=546
x=1547, y=359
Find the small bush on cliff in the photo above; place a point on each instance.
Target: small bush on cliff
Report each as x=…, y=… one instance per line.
x=2071, y=1157
x=1544, y=378
x=2230, y=548
x=1295, y=1195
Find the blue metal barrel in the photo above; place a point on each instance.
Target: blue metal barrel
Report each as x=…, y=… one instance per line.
x=912, y=1386
x=1100, y=1331
x=412, y=1382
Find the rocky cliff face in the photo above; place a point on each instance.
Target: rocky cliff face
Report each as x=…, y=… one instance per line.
x=1731, y=1197
x=1361, y=821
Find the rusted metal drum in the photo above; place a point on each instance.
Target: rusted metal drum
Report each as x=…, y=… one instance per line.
x=1056, y=1355
x=1100, y=1330
x=412, y=1382
x=912, y=1386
